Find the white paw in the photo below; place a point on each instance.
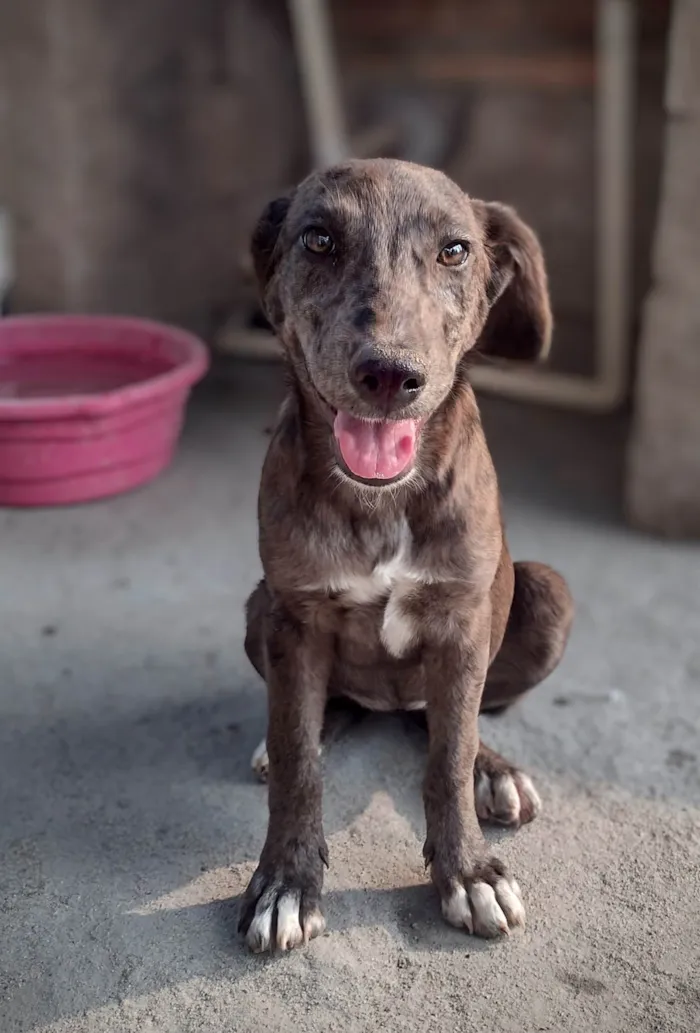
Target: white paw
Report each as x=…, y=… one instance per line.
x=260, y=762
x=290, y=932
x=485, y=910
x=508, y=799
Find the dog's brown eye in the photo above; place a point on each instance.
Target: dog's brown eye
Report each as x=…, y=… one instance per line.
x=316, y=239
x=454, y=253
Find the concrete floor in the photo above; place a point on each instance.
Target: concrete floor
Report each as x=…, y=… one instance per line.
x=129, y=821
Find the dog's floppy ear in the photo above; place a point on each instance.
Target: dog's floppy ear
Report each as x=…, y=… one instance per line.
x=519, y=323
x=264, y=240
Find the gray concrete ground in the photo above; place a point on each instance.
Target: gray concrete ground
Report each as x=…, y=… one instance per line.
x=130, y=823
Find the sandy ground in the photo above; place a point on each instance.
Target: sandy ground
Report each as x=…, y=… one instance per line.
x=129, y=821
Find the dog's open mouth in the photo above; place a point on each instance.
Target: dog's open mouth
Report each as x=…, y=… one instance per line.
x=376, y=451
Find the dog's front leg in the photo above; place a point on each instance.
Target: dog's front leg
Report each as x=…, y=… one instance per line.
x=475, y=889
x=281, y=906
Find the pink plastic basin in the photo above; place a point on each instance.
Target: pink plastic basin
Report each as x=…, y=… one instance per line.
x=90, y=406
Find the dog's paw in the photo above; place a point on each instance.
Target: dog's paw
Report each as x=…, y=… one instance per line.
x=487, y=901
x=281, y=906
x=505, y=797
x=282, y=918
x=260, y=762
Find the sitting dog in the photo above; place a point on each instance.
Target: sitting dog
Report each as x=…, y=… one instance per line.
x=388, y=579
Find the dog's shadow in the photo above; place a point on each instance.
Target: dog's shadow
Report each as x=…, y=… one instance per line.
x=145, y=827
x=409, y=913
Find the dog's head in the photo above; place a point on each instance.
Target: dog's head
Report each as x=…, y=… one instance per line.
x=379, y=276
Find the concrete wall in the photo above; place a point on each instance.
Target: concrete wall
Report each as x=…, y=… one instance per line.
x=139, y=138
x=663, y=477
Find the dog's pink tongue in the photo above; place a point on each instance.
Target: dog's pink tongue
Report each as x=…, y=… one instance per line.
x=376, y=451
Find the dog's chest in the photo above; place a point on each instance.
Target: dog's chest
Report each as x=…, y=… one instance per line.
x=384, y=586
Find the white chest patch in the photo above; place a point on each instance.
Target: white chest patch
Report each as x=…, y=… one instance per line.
x=399, y=629
x=391, y=580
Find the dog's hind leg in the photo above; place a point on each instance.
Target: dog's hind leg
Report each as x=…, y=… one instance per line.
x=256, y=610
x=536, y=635
x=534, y=642
x=503, y=795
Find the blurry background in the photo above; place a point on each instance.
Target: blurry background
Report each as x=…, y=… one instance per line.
x=140, y=140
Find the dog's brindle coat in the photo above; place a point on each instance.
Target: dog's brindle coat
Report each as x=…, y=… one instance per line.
x=399, y=594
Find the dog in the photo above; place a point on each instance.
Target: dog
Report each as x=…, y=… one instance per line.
x=387, y=576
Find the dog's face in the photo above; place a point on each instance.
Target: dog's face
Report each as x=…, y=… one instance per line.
x=379, y=276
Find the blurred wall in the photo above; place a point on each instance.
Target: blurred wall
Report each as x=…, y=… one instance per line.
x=663, y=477
x=511, y=84
x=139, y=138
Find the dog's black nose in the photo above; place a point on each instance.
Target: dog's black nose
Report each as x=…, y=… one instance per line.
x=387, y=383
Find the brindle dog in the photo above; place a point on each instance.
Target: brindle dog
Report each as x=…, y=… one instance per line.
x=387, y=574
